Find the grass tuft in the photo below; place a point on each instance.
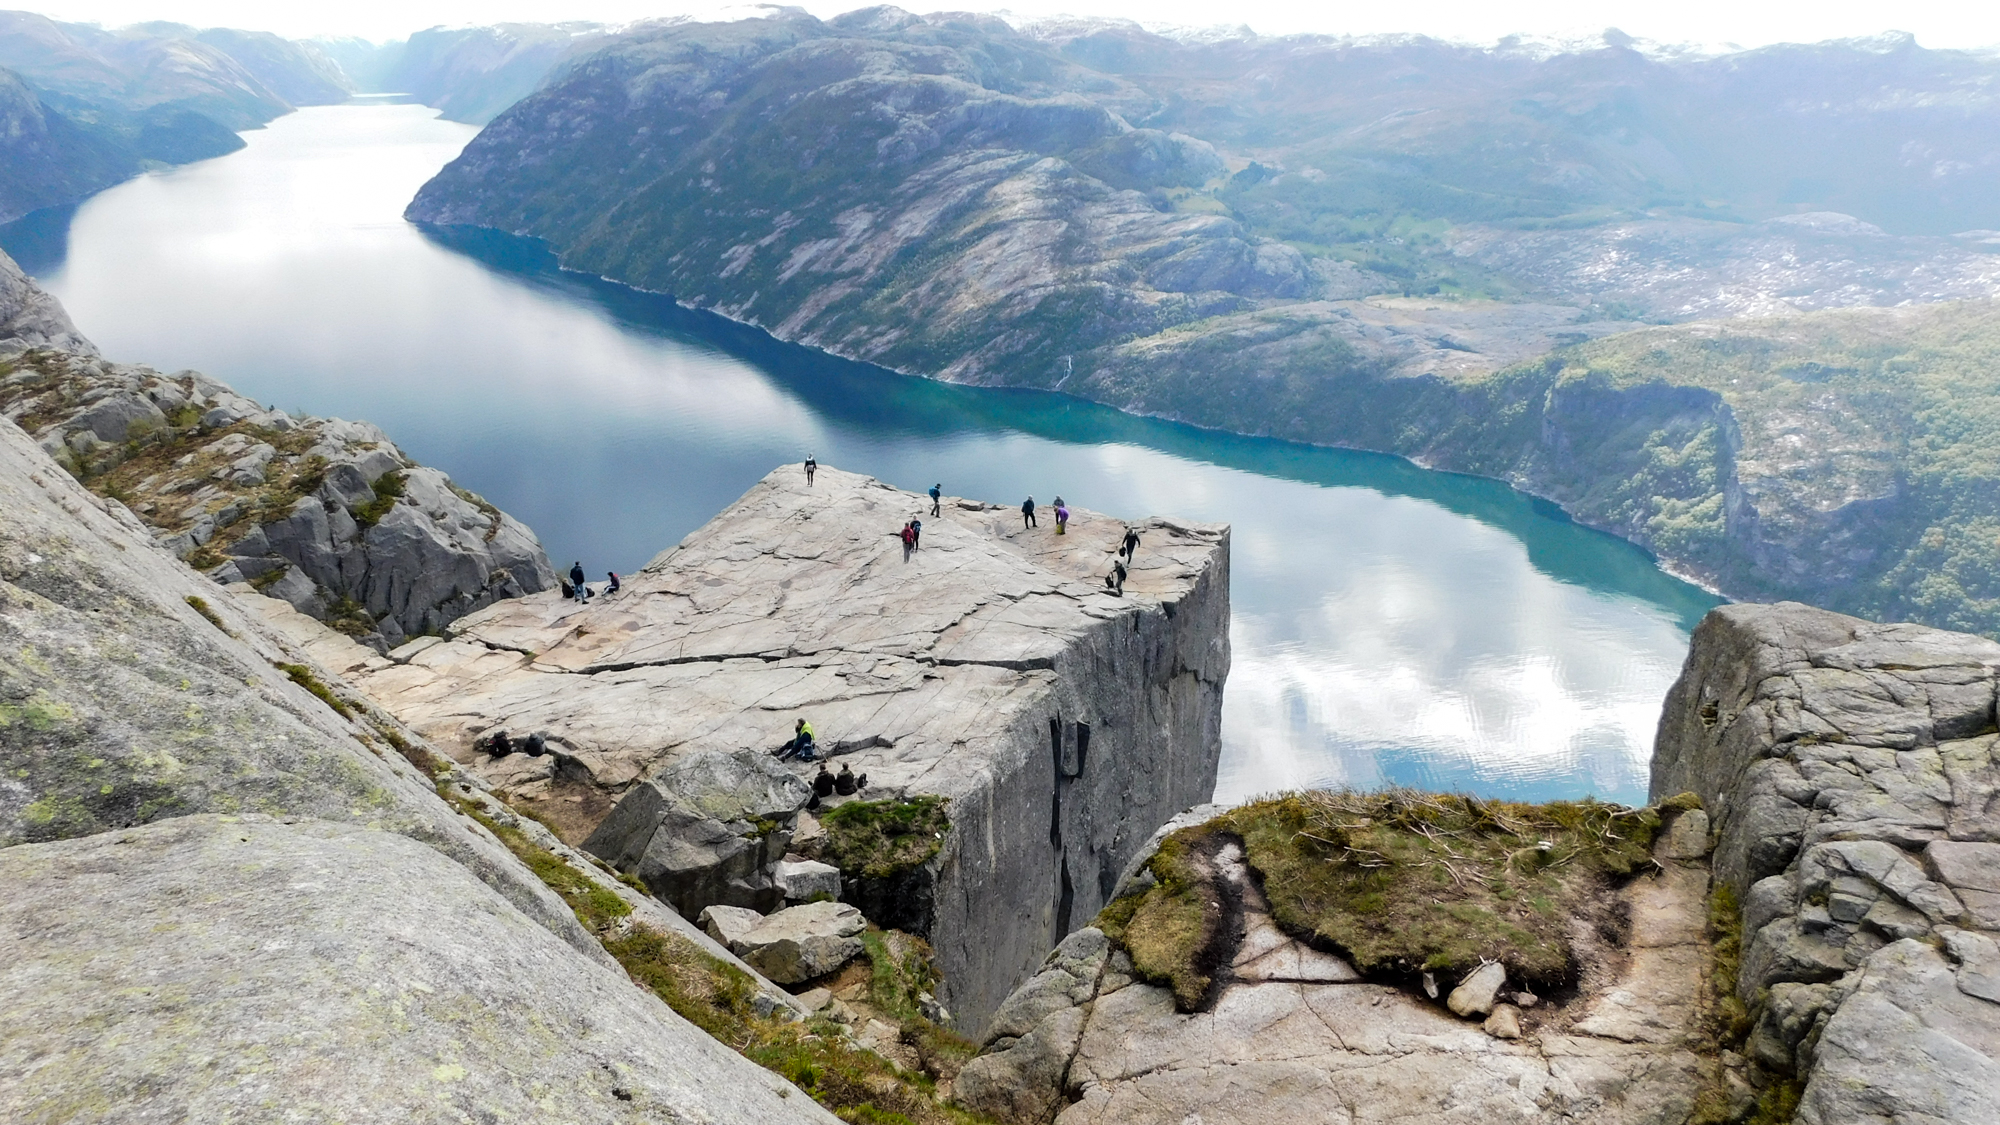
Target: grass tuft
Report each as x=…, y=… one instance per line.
x=882, y=839
x=303, y=676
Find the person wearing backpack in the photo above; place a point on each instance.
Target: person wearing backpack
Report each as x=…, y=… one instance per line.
x=937, y=494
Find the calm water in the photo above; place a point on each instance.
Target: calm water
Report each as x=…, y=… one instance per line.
x=1391, y=625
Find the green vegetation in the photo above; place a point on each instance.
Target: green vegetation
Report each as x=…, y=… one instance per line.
x=857, y=1085
x=1730, y=1022
x=1898, y=408
x=881, y=839
x=1400, y=882
x=201, y=606
x=303, y=676
x=388, y=488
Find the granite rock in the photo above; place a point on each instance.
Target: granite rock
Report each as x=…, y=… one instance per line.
x=30, y=318
x=1850, y=771
x=799, y=943
x=974, y=669
x=208, y=968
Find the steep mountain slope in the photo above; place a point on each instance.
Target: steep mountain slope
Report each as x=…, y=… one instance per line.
x=475, y=73
x=1350, y=243
x=85, y=108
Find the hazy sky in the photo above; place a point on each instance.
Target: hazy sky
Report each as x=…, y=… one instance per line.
x=1936, y=23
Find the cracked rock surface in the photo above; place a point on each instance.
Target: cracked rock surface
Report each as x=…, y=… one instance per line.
x=991, y=666
x=1295, y=1035
x=1851, y=772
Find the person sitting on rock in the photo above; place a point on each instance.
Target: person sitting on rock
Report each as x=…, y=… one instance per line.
x=614, y=585
x=497, y=744
x=823, y=782
x=536, y=745
x=801, y=744
x=844, y=784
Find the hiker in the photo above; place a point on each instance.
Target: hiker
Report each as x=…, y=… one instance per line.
x=1115, y=581
x=909, y=539
x=801, y=745
x=823, y=782
x=537, y=744
x=812, y=466
x=1130, y=548
x=1062, y=518
x=1028, y=513
x=498, y=744
x=614, y=586
x=937, y=494
x=576, y=581
x=844, y=784
x=917, y=534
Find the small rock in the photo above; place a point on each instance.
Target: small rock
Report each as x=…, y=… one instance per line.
x=1431, y=985
x=1476, y=994
x=815, y=999
x=1505, y=1022
x=729, y=924
x=839, y=1012
x=875, y=1035
x=1526, y=999
x=1686, y=837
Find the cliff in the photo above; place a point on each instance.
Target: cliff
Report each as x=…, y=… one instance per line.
x=990, y=667
x=326, y=514
x=1850, y=767
x=1833, y=963
x=224, y=884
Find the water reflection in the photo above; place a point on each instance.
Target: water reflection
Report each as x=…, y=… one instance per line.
x=1391, y=625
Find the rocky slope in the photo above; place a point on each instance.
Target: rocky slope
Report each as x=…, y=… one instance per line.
x=990, y=667
x=1325, y=241
x=475, y=73
x=85, y=108
x=1834, y=963
x=207, y=849
x=1851, y=771
x=326, y=514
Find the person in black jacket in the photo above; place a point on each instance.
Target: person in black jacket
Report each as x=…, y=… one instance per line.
x=576, y=577
x=1028, y=513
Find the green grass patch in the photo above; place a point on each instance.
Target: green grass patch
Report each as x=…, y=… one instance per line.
x=1176, y=930
x=201, y=606
x=882, y=839
x=388, y=489
x=303, y=676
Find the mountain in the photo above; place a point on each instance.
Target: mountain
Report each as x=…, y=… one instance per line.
x=87, y=108
x=475, y=73
x=1363, y=243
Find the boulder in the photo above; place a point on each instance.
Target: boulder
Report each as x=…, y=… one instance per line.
x=708, y=830
x=727, y=924
x=803, y=880
x=802, y=942
x=1479, y=991
x=1504, y=1023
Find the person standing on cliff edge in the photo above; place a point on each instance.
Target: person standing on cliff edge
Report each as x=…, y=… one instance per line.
x=937, y=493
x=1130, y=547
x=811, y=467
x=576, y=580
x=1028, y=513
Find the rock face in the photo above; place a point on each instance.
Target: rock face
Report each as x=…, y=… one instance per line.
x=1850, y=771
x=210, y=966
x=1295, y=1035
x=991, y=667
x=30, y=318
x=793, y=945
x=205, y=839
x=326, y=514
x=708, y=830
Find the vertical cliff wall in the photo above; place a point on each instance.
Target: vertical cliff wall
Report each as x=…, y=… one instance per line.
x=990, y=666
x=1851, y=772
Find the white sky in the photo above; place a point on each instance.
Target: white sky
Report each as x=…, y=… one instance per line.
x=1749, y=23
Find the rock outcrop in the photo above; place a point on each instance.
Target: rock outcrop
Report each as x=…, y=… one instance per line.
x=30, y=318
x=1294, y=1034
x=1851, y=772
x=328, y=515
x=991, y=666
x=222, y=885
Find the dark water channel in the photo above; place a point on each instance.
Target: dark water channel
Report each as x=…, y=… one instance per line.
x=1391, y=624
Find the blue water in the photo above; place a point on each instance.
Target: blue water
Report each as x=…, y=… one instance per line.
x=1391, y=625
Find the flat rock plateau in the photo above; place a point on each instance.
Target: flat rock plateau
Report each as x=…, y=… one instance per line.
x=991, y=666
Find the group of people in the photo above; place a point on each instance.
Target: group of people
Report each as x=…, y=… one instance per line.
x=1028, y=515
x=826, y=783
x=575, y=586
x=912, y=536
